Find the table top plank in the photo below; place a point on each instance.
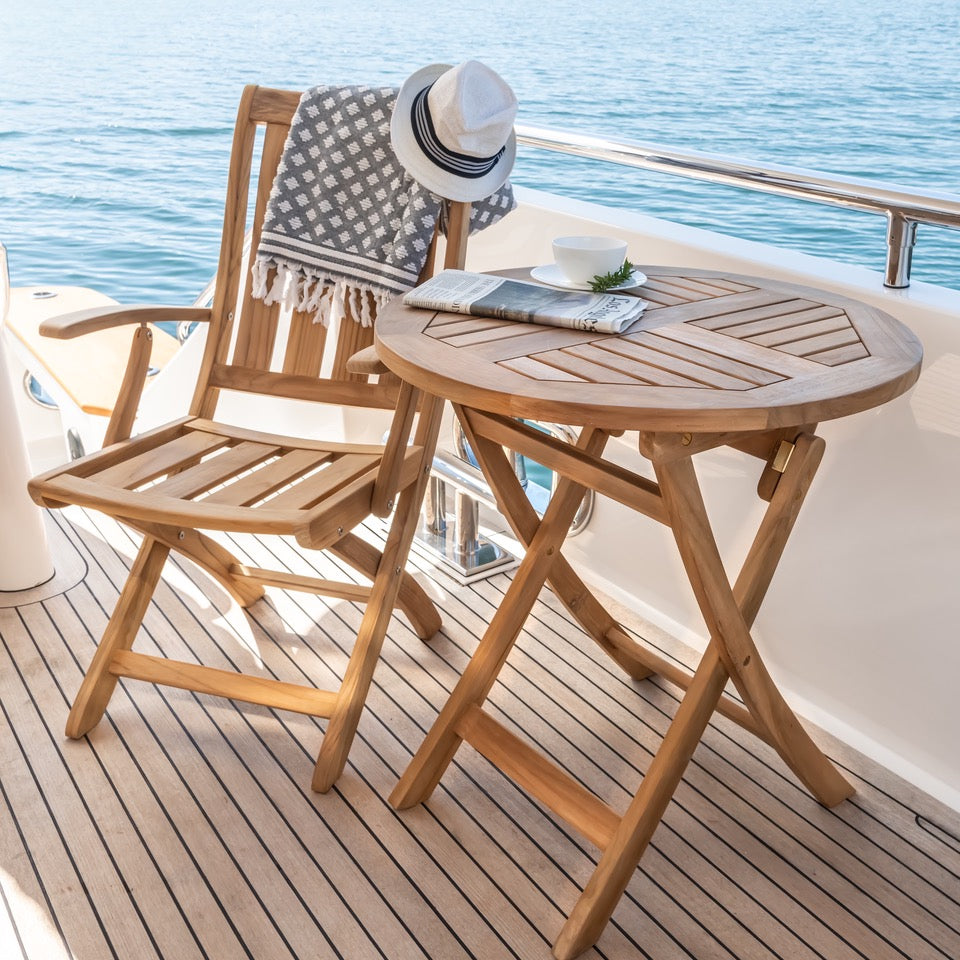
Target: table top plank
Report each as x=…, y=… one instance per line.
x=732, y=305
x=678, y=354
x=844, y=354
x=788, y=315
x=810, y=347
x=636, y=367
x=534, y=368
x=543, y=339
x=506, y=332
x=782, y=365
x=588, y=362
x=660, y=366
x=669, y=289
x=790, y=333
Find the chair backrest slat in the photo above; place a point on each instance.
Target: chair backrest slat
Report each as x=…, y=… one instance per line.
x=258, y=322
x=305, y=344
x=353, y=337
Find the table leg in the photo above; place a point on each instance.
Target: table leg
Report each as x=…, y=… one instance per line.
x=566, y=584
x=729, y=612
x=621, y=856
x=442, y=742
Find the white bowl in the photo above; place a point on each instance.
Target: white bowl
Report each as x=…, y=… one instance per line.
x=580, y=259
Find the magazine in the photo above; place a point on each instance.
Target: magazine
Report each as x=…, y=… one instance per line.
x=485, y=295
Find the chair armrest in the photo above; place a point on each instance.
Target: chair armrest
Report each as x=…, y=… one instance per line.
x=367, y=361
x=66, y=326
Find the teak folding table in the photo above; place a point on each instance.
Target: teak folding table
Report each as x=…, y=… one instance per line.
x=716, y=360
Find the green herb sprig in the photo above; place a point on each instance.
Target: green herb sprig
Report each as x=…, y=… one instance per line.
x=600, y=284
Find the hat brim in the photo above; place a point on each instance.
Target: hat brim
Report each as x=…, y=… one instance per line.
x=421, y=167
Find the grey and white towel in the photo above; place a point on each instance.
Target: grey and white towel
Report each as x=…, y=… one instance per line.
x=344, y=218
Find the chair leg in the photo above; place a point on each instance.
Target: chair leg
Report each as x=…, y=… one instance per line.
x=411, y=599
x=352, y=695
x=207, y=554
x=99, y=683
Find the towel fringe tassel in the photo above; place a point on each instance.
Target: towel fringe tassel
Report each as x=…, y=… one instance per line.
x=323, y=297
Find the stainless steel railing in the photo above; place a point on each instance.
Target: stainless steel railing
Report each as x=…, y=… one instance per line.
x=903, y=209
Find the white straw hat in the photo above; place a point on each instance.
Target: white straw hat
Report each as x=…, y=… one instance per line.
x=452, y=129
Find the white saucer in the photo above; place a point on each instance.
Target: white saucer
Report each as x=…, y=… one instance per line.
x=551, y=275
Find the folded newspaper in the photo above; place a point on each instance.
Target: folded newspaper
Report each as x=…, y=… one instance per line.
x=484, y=295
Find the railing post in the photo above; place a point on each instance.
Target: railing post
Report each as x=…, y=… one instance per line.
x=435, y=506
x=901, y=237
x=467, y=518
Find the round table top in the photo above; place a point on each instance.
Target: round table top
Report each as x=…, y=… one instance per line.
x=713, y=352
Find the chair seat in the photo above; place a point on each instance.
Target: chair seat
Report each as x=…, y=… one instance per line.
x=214, y=476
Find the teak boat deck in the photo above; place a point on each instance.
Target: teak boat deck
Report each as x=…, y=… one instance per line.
x=184, y=826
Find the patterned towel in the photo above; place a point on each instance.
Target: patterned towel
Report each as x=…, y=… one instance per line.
x=344, y=219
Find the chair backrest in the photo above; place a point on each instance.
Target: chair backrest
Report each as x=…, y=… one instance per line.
x=251, y=347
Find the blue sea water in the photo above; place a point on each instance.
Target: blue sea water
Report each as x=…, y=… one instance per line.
x=116, y=116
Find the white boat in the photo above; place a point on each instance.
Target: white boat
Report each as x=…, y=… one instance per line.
x=870, y=658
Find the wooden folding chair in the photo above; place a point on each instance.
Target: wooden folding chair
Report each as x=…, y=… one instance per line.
x=196, y=474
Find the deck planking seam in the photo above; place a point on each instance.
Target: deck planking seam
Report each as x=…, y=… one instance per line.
x=795, y=787
x=162, y=747
x=110, y=779
x=242, y=712
x=873, y=868
x=758, y=811
x=683, y=803
x=11, y=923
x=187, y=847
x=64, y=597
x=28, y=853
x=550, y=603
x=658, y=734
x=47, y=803
x=463, y=769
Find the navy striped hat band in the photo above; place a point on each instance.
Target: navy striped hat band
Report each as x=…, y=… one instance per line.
x=458, y=164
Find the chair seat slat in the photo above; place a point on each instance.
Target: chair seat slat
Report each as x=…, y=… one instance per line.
x=195, y=514
x=218, y=469
x=324, y=482
x=270, y=478
x=179, y=452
